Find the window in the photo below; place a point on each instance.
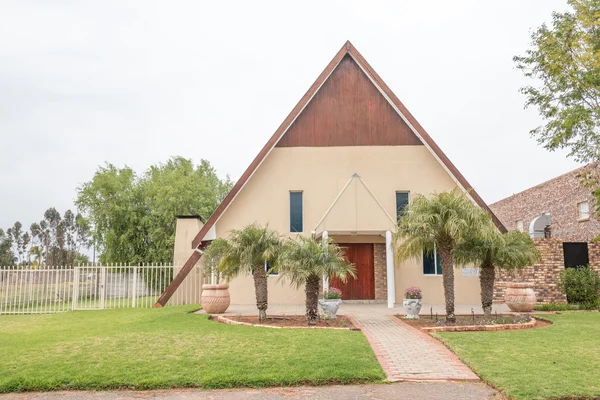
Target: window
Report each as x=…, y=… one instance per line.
x=520, y=225
x=432, y=265
x=296, y=212
x=267, y=269
x=576, y=254
x=401, y=203
x=584, y=210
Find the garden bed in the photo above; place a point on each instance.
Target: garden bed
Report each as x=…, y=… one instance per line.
x=476, y=323
x=288, y=321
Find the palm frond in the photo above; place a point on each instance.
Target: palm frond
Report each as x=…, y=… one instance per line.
x=306, y=256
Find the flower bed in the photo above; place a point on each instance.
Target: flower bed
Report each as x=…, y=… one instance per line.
x=288, y=321
x=476, y=323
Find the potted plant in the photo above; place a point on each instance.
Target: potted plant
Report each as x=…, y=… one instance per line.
x=412, y=302
x=215, y=296
x=331, y=301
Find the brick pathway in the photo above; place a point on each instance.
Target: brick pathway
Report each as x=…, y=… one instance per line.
x=406, y=353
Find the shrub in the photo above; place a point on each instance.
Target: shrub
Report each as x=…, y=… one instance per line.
x=332, y=294
x=413, y=292
x=556, y=307
x=580, y=285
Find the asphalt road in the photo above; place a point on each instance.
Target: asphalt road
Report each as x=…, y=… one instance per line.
x=400, y=391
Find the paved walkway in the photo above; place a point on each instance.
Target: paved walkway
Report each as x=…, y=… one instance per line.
x=404, y=352
x=399, y=391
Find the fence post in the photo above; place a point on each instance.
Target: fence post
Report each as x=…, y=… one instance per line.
x=76, y=271
x=102, y=286
x=134, y=294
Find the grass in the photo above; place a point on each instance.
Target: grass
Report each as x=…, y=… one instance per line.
x=169, y=347
x=558, y=361
x=567, y=306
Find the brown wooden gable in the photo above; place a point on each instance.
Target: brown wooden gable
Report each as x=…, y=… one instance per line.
x=348, y=110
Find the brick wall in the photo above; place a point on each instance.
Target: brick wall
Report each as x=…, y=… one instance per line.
x=380, y=271
x=544, y=275
x=559, y=197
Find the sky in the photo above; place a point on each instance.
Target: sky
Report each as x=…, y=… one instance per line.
x=136, y=82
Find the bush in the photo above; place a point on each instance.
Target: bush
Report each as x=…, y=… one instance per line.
x=332, y=294
x=580, y=285
x=556, y=307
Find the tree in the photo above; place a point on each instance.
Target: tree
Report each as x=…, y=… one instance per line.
x=250, y=251
x=17, y=239
x=132, y=217
x=59, y=238
x=509, y=251
x=213, y=256
x=304, y=262
x=565, y=63
x=37, y=254
x=7, y=256
x=438, y=223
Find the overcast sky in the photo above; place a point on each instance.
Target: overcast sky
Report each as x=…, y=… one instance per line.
x=133, y=83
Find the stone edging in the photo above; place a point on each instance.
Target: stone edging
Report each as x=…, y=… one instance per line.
x=226, y=319
x=480, y=328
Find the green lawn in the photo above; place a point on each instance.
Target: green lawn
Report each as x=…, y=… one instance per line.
x=169, y=347
x=558, y=361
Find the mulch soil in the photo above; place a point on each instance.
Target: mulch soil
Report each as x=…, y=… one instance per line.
x=297, y=321
x=468, y=320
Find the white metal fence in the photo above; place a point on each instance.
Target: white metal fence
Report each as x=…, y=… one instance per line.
x=50, y=290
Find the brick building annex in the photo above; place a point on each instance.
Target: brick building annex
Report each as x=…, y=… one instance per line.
x=560, y=215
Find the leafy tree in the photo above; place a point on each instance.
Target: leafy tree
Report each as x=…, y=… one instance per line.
x=304, y=262
x=509, y=251
x=37, y=254
x=213, y=256
x=440, y=222
x=18, y=240
x=249, y=252
x=564, y=62
x=132, y=217
x=7, y=256
x=59, y=238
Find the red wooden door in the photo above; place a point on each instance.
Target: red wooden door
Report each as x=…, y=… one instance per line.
x=363, y=286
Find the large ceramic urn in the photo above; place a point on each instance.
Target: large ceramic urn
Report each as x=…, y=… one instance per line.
x=215, y=298
x=519, y=296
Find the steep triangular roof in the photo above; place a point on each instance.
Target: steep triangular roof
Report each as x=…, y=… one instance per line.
x=347, y=50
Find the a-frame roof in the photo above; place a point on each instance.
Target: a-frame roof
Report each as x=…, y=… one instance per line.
x=347, y=49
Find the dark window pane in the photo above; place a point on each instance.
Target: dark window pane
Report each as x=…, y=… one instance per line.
x=296, y=212
x=431, y=265
x=576, y=254
x=401, y=203
x=268, y=269
x=428, y=263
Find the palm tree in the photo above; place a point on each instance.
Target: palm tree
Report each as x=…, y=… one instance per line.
x=250, y=249
x=304, y=262
x=509, y=251
x=438, y=223
x=36, y=252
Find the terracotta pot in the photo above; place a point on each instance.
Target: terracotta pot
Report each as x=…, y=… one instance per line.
x=519, y=296
x=215, y=298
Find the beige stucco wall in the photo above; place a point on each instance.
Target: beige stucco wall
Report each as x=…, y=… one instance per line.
x=321, y=172
x=190, y=289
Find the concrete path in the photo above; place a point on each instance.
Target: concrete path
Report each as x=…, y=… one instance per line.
x=400, y=391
